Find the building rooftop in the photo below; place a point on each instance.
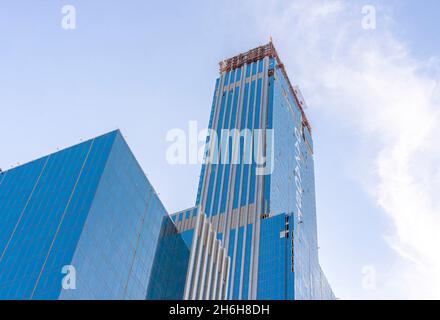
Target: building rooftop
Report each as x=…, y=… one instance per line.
x=258, y=53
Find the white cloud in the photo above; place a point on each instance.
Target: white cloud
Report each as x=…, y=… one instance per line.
x=370, y=80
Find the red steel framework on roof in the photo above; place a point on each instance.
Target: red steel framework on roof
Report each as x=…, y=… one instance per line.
x=259, y=53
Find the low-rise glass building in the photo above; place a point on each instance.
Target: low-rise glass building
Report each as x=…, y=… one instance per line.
x=82, y=223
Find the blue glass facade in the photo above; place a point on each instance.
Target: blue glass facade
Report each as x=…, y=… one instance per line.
x=168, y=274
x=267, y=221
x=275, y=266
x=89, y=207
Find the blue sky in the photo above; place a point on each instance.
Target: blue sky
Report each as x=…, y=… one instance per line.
x=147, y=67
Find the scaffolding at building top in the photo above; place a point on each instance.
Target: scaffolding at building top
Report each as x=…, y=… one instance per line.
x=253, y=55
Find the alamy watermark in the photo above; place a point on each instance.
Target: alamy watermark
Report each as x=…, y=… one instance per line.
x=69, y=280
x=225, y=146
x=369, y=17
x=369, y=277
x=68, y=20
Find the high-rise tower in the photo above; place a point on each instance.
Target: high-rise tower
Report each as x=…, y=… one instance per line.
x=257, y=183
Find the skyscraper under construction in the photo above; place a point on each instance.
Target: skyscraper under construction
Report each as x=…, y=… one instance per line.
x=257, y=187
